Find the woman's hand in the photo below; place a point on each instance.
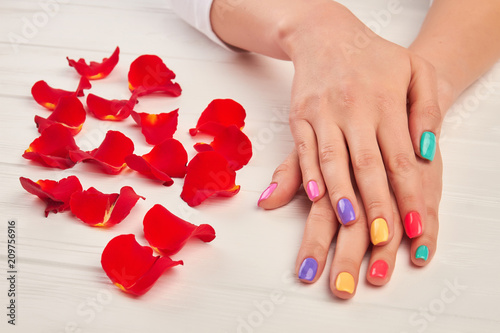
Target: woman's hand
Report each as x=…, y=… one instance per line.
x=349, y=108
x=353, y=240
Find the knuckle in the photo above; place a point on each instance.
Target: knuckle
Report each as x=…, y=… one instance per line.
x=282, y=170
x=302, y=147
x=376, y=206
x=317, y=247
x=401, y=164
x=433, y=112
x=364, y=160
x=329, y=153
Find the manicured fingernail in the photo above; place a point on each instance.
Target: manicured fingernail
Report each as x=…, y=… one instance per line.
x=346, y=211
x=379, y=269
x=345, y=282
x=312, y=190
x=413, y=225
x=267, y=192
x=379, y=231
x=308, y=269
x=422, y=252
x=428, y=145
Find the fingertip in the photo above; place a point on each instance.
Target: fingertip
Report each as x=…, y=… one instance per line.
x=422, y=254
x=344, y=285
x=307, y=272
x=379, y=273
x=428, y=145
x=345, y=211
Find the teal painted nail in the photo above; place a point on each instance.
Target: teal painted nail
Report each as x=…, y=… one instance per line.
x=428, y=145
x=422, y=252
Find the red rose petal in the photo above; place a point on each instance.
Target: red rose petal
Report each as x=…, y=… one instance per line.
x=168, y=233
x=132, y=267
x=110, y=155
x=169, y=89
x=157, y=127
x=165, y=160
x=220, y=113
x=68, y=112
x=148, y=74
x=48, y=97
x=231, y=143
x=95, y=70
x=103, y=210
x=52, y=148
x=56, y=194
x=208, y=173
x=105, y=109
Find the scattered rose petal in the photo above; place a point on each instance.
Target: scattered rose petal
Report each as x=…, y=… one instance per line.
x=52, y=148
x=110, y=155
x=132, y=267
x=208, y=173
x=68, y=112
x=167, y=159
x=149, y=74
x=96, y=70
x=157, y=127
x=103, y=210
x=231, y=143
x=168, y=233
x=48, y=97
x=56, y=194
x=219, y=114
x=105, y=109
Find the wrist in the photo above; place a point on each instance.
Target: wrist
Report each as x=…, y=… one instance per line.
x=307, y=29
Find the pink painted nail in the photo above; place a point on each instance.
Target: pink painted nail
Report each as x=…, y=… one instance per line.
x=267, y=192
x=312, y=190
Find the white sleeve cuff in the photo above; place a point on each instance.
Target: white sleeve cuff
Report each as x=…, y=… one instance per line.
x=197, y=14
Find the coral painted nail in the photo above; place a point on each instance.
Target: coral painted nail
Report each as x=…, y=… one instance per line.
x=308, y=269
x=345, y=211
x=379, y=232
x=312, y=190
x=422, y=252
x=413, y=225
x=345, y=282
x=267, y=192
x=379, y=269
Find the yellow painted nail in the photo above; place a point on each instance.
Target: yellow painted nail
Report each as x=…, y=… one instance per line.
x=345, y=282
x=379, y=232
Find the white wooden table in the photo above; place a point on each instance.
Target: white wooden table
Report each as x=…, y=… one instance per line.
x=243, y=281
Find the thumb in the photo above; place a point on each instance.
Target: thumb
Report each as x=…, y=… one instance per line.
x=285, y=183
x=425, y=116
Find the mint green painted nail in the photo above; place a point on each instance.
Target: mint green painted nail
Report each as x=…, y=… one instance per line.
x=422, y=252
x=428, y=145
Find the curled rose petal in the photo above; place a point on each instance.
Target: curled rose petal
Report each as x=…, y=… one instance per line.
x=219, y=114
x=52, y=148
x=105, y=109
x=168, y=233
x=110, y=155
x=132, y=267
x=103, y=210
x=68, y=112
x=157, y=127
x=208, y=173
x=149, y=74
x=48, y=97
x=56, y=194
x=96, y=70
x=231, y=143
x=167, y=159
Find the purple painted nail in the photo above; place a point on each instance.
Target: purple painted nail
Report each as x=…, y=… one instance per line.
x=346, y=211
x=308, y=269
x=267, y=192
x=312, y=190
